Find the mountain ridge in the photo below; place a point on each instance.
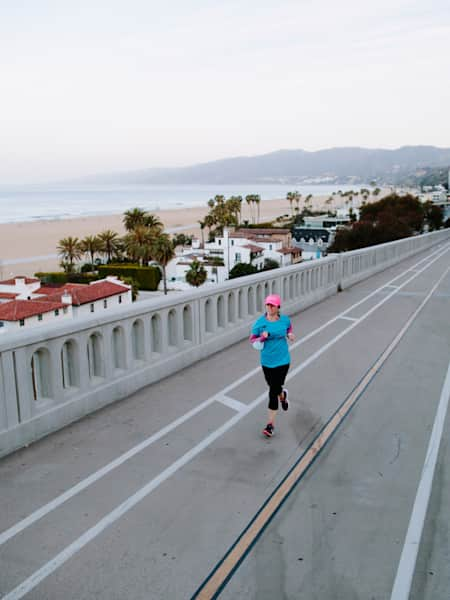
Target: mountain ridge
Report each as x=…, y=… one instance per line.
x=332, y=165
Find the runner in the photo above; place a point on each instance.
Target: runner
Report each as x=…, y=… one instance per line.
x=269, y=334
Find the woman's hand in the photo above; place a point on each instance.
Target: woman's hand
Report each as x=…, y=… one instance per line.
x=291, y=337
x=265, y=335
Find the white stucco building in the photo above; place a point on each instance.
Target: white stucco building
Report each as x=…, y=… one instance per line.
x=251, y=246
x=18, y=288
x=27, y=304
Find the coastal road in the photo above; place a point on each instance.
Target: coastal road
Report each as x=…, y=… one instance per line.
x=146, y=498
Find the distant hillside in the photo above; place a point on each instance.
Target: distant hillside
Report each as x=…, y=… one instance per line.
x=335, y=165
x=426, y=176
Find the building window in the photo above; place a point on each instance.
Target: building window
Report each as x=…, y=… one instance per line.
x=120, y=298
x=270, y=246
x=92, y=308
x=105, y=303
x=65, y=309
x=238, y=257
x=56, y=312
x=39, y=317
x=1, y=324
x=232, y=242
x=22, y=322
x=219, y=242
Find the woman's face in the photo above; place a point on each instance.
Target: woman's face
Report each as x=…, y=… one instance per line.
x=271, y=310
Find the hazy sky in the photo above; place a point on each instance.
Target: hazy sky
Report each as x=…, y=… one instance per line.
x=94, y=86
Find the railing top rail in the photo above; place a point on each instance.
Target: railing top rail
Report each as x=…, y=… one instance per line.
x=351, y=253
x=143, y=308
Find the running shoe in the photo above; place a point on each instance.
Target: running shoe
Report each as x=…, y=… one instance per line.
x=284, y=399
x=268, y=430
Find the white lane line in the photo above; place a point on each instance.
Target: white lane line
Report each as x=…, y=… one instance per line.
x=52, y=565
x=395, y=287
x=349, y=318
x=230, y=561
x=38, y=576
x=232, y=403
x=405, y=572
x=94, y=477
x=429, y=259
x=82, y=485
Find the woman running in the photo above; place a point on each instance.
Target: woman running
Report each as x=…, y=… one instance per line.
x=269, y=335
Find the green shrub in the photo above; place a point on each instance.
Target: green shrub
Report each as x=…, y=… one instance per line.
x=242, y=269
x=53, y=277
x=87, y=268
x=147, y=278
x=63, y=277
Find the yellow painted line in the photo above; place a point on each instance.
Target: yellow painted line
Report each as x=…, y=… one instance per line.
x=213, y=585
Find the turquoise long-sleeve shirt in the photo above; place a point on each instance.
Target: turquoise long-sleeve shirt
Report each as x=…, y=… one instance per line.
x=275, y=351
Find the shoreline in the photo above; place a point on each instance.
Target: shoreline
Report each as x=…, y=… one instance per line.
x=27, y=247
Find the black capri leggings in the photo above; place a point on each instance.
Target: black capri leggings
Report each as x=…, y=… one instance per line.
x=275, y=377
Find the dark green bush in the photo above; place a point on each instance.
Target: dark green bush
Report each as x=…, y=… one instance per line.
x=63, y=277
x=242, y=269
x=147, y=278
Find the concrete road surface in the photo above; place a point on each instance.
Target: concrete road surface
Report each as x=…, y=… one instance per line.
x=145, y=498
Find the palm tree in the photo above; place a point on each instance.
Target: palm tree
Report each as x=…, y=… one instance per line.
x=134, y=217
x=249, y=200
x=196, y=275
x=138, y=243
x=290, y=199
x=253, y=199
x=109, y=243
x=90, y=245
x=235, y=206
x=257, y=201
x=209, y=222
x=297, y=197
x=163, y=252
x=69, y=249
x=202, y=227
x=153, y=222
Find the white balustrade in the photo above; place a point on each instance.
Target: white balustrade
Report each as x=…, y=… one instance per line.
x=52, y=376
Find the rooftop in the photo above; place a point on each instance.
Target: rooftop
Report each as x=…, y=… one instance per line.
x=83, y=294
x=23, y=309
x=27, y=280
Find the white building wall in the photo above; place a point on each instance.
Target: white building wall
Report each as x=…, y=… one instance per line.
x=34, y=321
x=99, y=305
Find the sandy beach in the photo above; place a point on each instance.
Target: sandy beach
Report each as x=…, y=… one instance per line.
x=29, y=247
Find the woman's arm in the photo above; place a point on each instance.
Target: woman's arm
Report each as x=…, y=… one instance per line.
x=289, y=334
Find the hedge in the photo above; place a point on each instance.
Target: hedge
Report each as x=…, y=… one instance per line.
x=63, y=277
x=147, y=278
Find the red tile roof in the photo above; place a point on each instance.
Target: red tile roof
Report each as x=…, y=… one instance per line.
x=266, y=240
x=265, y=230
x=253, y=248
x=13, y=281
x=22, y=309
x=8, y=296
x=289, y=251
x=54, y=288
x=83, y=294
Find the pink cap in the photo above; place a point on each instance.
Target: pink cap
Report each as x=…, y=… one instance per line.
x=273, y=299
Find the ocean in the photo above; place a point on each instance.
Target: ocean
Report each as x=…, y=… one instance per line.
x=38, y=202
